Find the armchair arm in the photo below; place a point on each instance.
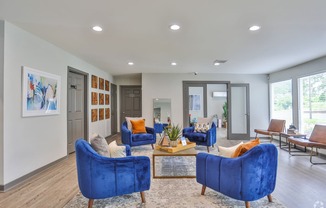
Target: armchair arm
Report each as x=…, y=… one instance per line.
x=211, y=135
x=188, y=130
x=150, y=130
x=125, y=135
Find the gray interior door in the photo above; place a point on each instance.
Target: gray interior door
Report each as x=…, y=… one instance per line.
x=239, y=115
x=130, y=104
x=114, y=118
x=75, y=105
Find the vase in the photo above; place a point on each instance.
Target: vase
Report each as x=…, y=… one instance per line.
x=174, y=143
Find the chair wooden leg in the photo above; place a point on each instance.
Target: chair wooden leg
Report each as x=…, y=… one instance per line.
x=152, y=146
x=142, y=195
x=269, y=196
x=247, y=204
x=90, y=203
x=207, y=148
x=203, y=189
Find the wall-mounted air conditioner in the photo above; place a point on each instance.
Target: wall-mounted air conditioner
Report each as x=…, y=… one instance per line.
x=219, y=94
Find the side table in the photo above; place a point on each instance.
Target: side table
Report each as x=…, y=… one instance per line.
x=286, y=136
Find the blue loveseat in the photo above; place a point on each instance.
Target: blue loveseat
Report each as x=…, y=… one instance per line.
x=247, y=178
x=207, y=139
x=102, y=177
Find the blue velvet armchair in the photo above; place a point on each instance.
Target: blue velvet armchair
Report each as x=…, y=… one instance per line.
x=131, y=139
x=247, y=178
x=206, y=139
x=102, y=177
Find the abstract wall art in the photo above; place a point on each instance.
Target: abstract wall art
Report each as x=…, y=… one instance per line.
x=41, y=93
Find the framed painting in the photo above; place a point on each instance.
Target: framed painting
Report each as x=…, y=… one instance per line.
x=94, y=98
x=101, y=84
x=94, y=115
x=107, y=85
x=101, y=95
x=107, y=113
x=107, y=99
x=101, y=114
x=41, y=93
x=94, y=81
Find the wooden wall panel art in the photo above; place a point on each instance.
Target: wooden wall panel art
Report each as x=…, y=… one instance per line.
x=101, y=112
x=94, y=81
x=94, y=98
x=101, y=84
x=94, y=115
x=107, y=85
x=107, y=99
x=107, y=113
x=101, y=98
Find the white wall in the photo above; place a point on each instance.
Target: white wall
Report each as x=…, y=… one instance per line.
x=32, y=142
x=170, y=86
x=1, y=97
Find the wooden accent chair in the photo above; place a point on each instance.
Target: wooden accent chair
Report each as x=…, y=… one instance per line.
x=275, y=127
x=316, y=140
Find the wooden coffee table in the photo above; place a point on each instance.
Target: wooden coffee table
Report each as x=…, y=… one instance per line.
x=183, y=153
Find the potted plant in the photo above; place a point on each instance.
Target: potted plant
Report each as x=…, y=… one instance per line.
x=225, y=114
x=174, y=133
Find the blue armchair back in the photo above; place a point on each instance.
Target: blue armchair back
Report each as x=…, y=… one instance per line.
x=206, y=139
x=247, y=178
x=102, y=177
x=131, y=139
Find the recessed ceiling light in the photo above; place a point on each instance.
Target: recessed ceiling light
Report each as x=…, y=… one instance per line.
x=216, y=63
x=97, y=28
x=174, y=27
x=130, y=63
x=254, y=28
x=173, y=63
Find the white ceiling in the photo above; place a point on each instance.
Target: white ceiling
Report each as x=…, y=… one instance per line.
x=293, y=32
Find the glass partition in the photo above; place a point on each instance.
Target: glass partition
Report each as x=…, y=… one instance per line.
x=162, y=110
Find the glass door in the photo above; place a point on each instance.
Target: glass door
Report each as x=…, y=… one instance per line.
x=239, y=117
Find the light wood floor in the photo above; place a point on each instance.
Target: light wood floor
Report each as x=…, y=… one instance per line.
x=298, y=184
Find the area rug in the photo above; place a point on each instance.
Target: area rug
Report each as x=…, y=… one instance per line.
x=172, y=193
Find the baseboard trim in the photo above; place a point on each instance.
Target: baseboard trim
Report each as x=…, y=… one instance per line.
x=18, y=181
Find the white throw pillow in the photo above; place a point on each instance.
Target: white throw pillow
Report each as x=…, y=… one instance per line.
x=132, y=118
x=228, y=151
x=100, y=145
x=116, y=150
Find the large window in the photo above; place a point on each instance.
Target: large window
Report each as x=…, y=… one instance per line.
x=281, y=101
x=312, y=101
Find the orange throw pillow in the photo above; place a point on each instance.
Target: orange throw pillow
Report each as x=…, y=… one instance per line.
x=245, y=147
x=138, y=126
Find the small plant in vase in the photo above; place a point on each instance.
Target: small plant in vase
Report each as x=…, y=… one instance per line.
x=174, y=133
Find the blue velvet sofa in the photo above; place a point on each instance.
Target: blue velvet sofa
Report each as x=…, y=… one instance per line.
x=206, y=139
x=131, y=139
x=247, y=178
x=102, y=177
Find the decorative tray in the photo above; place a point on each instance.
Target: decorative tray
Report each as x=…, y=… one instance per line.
x=177, y=148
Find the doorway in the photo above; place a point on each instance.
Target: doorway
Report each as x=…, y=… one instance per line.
x=76, y=107
x=130, y=102
x=114, y=118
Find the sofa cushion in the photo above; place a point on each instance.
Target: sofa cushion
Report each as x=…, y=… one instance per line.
x=138, y=126
x=116, y=150
x=100, y=145
x=245, y=147
x=228, y=151
x=201, y=127
x=195, y=136
x=141, y=137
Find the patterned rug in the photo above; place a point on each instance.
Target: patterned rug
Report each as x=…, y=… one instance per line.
x=172, y=193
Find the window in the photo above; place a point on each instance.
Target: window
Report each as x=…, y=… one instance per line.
x=281, y=101
x=312, y=106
